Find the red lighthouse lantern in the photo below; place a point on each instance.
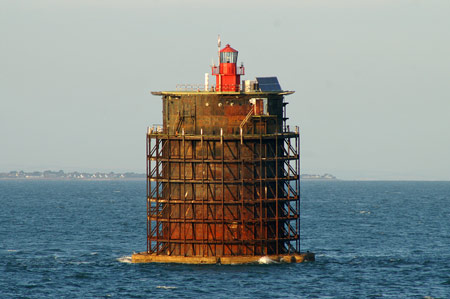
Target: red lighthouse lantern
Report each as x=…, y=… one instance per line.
x=228, y=75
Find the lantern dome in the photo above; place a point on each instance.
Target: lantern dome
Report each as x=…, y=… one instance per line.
x=228, y=48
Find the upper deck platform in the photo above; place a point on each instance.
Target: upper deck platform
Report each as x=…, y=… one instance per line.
x=203, y=92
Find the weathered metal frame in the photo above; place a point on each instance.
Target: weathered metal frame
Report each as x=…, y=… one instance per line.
x=274, y=201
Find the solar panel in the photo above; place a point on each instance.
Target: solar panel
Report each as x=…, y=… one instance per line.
x=268, y=84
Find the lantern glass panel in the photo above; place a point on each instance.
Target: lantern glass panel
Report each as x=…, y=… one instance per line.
x=228, y=57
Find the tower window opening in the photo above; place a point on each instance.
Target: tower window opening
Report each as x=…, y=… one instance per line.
x=228, y=57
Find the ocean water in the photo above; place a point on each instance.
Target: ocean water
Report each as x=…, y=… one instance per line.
x=73, y=239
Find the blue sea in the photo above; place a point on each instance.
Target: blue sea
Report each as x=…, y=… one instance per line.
x=73, y=239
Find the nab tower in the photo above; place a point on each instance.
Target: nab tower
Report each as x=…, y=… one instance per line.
x=223, y=173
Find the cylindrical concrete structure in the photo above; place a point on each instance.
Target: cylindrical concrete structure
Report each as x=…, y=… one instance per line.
x=223, y=176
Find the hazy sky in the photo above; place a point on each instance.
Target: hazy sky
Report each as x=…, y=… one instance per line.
x=372, y=78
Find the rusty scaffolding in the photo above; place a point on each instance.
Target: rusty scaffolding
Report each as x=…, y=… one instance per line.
x=224, y=194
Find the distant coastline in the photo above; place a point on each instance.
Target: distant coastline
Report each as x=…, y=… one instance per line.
x=325, y=176
x=75, y=175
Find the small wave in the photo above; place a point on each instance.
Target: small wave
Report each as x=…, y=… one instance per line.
x=125, y=259
x=166, y=287
x=12, y=250
x=80, y=263
x=364, y=212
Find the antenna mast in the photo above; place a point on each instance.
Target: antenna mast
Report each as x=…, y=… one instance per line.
x=218, y=49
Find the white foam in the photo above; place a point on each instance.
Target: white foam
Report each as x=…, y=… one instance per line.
x=165, y=287
x=125, y=259
x=266, y=260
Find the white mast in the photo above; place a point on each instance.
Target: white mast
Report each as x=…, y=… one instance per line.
x=218, y=49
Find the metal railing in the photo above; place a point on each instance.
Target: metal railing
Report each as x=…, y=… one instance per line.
x=155, y=128
x=193, y=87
x=240, y=70
x=207, y=88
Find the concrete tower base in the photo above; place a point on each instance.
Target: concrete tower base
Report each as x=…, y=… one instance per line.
x=144, y=257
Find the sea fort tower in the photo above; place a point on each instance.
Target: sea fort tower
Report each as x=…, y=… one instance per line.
x=223, y=183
